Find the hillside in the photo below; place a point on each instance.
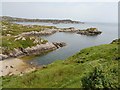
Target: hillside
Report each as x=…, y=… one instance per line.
x=94, y=67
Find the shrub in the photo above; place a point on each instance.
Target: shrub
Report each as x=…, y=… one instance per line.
x=97, y=79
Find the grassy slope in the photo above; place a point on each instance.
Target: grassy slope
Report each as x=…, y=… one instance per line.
x=91, y=67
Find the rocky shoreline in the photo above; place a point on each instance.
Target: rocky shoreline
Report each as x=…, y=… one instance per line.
x=89, y=32
x=34, y=50
x=45, y=47
x=11, y=65
x=48, y=31
x=15, y=66
x=71, y=29
x=37, y=33
x=28, y=42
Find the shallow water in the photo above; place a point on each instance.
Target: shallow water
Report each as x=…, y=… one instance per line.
x=75, y=42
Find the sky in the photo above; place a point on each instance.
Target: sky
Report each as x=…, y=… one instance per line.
x=60, y=0
x=80, y=11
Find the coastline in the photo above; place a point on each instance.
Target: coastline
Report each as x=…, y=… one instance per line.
x=34, y=50
x=82, y=63
x=16, y=66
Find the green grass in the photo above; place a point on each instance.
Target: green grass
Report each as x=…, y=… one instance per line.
x=9, y=43
x=94, y=67
x=15, y=29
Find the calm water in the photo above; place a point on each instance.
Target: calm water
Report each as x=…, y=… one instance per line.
x=75, y=42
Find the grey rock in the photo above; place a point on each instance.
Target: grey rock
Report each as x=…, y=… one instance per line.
x=89, y=32
x=3, y=56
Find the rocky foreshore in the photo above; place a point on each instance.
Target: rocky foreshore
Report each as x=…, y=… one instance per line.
x=48, y=31
x=58, y=45
x=34, y=50
x=89, y=32
x=37, y=33
x=71, y=29
x=2, y=56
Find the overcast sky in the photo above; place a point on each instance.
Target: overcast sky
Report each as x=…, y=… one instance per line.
x=82, y=11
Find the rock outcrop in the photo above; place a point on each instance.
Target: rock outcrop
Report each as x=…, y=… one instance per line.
x=71, y=29
x=40, y=48
x=36, y=33
x=59, y=44
x=89, y=32
x=34, y=50
x=3, y=56
x=117, y=41
x=48, y=31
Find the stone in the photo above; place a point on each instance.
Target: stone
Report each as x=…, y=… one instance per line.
x=59, y=44
x=3, y=56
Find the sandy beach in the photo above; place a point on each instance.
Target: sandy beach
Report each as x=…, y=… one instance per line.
x=14, y=66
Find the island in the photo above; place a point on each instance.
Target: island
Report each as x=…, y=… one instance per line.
x=89, y=32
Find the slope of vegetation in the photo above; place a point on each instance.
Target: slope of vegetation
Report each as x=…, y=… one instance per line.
x=94, y=67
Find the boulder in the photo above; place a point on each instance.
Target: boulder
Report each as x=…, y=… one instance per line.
x=3, y=56
x=59, y=44
x=17, y=52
